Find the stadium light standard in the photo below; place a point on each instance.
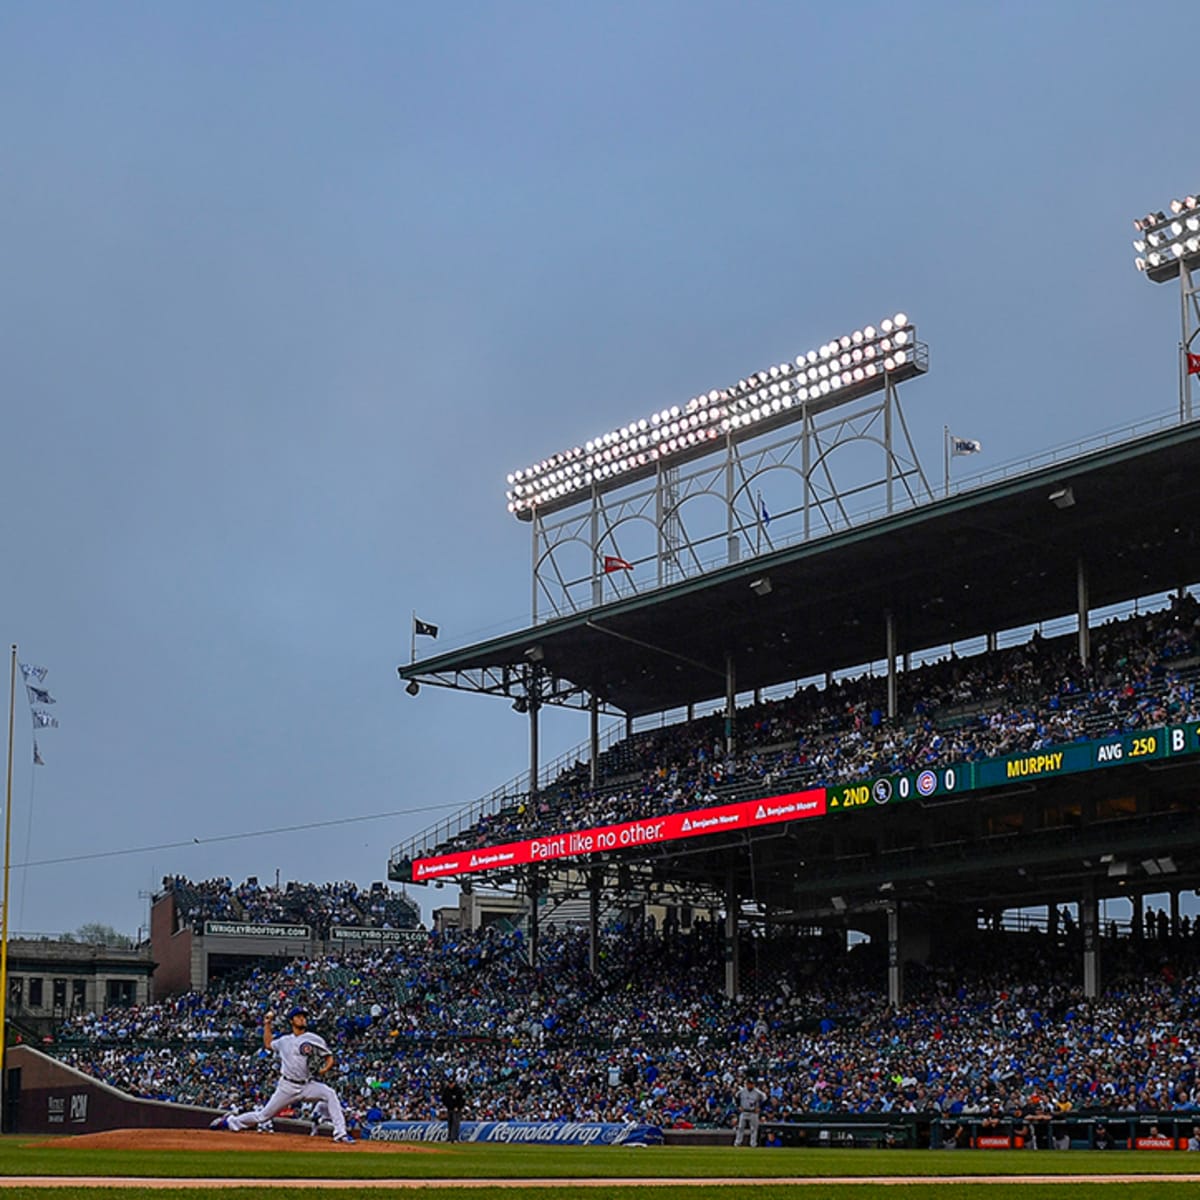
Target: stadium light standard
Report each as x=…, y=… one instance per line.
x=721, y=444
x=1168, y=247
x=867, y=360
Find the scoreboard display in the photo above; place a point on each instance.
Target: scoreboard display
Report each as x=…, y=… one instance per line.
x=1117, y=750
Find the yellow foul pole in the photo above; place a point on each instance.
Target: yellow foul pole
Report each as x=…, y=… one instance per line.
x=12, y=701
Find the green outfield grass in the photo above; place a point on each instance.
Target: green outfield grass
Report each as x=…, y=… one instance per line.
x=854, y=1191
x=286, y=1157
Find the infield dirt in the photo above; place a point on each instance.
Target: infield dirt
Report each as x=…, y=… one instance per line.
x=221, y=1139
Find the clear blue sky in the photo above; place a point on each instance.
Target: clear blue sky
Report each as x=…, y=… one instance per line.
x=287, y=289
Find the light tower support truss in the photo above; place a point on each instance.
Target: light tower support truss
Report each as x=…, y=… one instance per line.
x=1189, y=306
x=748, y=496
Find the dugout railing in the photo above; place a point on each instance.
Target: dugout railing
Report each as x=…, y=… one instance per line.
x=1074, y=1131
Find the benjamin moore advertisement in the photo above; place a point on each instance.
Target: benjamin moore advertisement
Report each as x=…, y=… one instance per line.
x=794, y=806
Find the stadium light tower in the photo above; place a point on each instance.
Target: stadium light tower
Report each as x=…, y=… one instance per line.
x=1168, y=247
x=865, y=361
x=661, y=471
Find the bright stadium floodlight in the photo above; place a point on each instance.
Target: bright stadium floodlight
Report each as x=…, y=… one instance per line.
x=1168, y=247
x=1166, y=242
x=844, y=369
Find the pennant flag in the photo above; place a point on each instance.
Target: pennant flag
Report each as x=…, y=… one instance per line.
x=613, y=563
x=43, y=720
x=31, y=672
x=37, y=757
x=763, y=515
x=960, y=446
x=39, y=695
x=423, y=628
x=1193, y=364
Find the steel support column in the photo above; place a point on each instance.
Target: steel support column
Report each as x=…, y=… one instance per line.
x=1088, y=923
x=733, y=905
x=596, y=882
x=1081, y=592
x=593, y=741
x=730, y=705
x=534, y=700
x=895, y=961
x=534, y=885
x=892, y=685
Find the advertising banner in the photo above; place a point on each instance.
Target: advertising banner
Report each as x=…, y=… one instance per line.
x=362, y=935
x=559, y=1133
x=746, y=814
x=245, y=929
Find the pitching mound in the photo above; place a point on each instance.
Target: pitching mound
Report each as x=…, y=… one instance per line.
x=222, y=1139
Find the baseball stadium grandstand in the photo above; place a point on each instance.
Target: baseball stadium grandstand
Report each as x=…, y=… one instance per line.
x=898, y=819
x=992, y=764
x=203, y=930
x=983, y=700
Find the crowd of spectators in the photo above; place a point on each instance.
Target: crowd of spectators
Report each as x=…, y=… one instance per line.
x=998, y=1027
x=1000, y=1024
x=1141, y=674
x=317, y=905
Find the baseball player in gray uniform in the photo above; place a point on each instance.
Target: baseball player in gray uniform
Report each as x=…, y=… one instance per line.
x=302, y=1056
x=749, y=1101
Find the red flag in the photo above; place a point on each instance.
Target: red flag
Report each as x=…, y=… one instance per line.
x=613, y=563
x=1193, y=364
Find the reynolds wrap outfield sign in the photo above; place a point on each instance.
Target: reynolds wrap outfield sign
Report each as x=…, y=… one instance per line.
x=866, y=795
x=560, y=1133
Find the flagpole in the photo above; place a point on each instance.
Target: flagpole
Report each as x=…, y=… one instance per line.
x=758, y=543
x=12, y=700
x=945, y=460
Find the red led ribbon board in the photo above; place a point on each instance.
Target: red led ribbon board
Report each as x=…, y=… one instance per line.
x=795, y=806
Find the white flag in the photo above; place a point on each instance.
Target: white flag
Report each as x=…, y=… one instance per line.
x=43, y=720
x=32, y=672
x=959, y=446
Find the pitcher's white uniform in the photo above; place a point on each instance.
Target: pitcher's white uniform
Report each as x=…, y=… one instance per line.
x=297, y=1052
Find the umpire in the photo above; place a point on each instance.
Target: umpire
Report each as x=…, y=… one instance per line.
x=454, y=1099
